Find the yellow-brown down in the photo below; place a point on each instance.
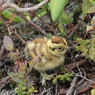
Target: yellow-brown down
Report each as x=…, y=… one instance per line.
x=52, y=49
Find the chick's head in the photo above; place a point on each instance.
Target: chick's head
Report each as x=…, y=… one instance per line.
x=57, y=46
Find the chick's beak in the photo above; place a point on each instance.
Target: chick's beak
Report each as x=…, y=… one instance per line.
x=68, y=48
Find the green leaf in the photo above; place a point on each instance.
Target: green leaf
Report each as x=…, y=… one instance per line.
x=92, y=2
x=39, y=0
x=41, y=14
x=61, y=27
x=63, y=17
x=88, y=28
x=55, y=80
x=83, y=15
x=85, y=6
x=68, y=78
x=78, y=47
x=11, y=74
x=17, y=79
x=57, y=7
x=80, y=40
x=31, y=89
x=92, y=53
x=1, y=22
x=27, y=16
x=91, y=9
x=93, y=91
x=8, y=15
x=88, y=41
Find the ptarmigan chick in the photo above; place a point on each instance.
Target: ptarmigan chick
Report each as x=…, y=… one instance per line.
x=52, y=49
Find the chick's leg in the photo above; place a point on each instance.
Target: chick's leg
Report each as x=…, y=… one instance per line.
x=45, y=77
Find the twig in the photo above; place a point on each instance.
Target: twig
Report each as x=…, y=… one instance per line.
x=84, y=87
x=73, y=29
x=17, y=36
x=56, y=91
x=41, y=30
x=2, y=51
x=72, y=88
x=74, y=65
x=84, y=74
x=80, y=70
x=44, y=91
x=9, y=4
x=4, y=81
x=45, y=23
x=84, y=78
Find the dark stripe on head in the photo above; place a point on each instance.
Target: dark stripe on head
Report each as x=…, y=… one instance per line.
x=52, y=48
x=64, y=43
x=34, y=49
x=28, y=56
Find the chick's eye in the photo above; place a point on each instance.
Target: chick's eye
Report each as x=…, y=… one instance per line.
x=60, y=48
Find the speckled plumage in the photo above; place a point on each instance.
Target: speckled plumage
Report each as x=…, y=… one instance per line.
x=53, y=50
